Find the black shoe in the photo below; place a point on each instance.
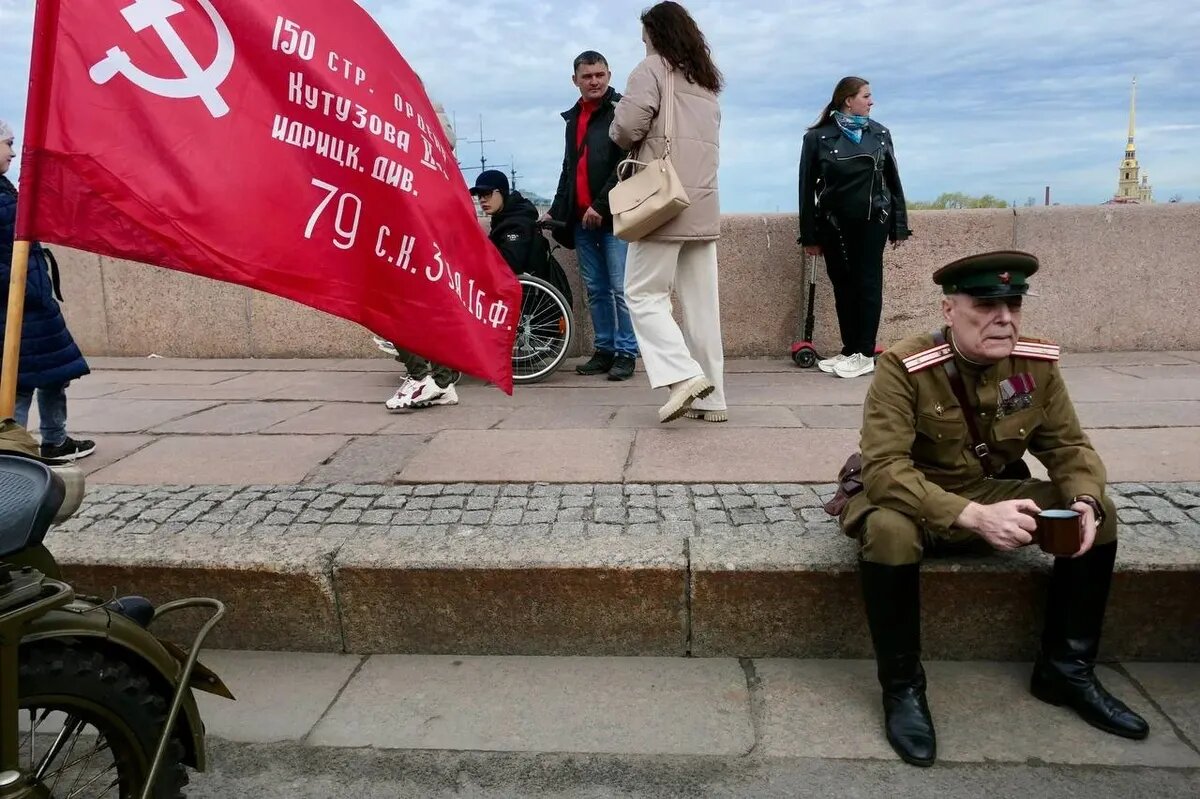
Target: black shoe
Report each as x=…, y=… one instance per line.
x=600, y=363
x=622, y=367
x=909, y=725
x=69, y=450
x=1081, y=691
x=1065, y=672
x=893, y=598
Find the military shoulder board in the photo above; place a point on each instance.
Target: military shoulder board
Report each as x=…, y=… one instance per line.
x=1036, y=350
x=927, y=358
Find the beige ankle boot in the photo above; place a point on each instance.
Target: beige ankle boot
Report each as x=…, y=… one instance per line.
x=708, y=416
x=683, y=395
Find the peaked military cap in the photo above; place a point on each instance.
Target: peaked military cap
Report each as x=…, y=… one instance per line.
x=1004, y=273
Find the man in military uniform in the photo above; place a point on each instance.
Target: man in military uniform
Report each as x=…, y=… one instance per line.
x=935, y=482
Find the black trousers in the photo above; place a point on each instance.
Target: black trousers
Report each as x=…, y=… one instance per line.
x=854, y=260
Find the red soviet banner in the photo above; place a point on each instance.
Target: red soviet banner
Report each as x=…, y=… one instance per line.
x=279, y=144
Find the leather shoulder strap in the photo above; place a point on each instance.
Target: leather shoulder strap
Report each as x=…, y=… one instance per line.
x=979, y=446
x=669, y=90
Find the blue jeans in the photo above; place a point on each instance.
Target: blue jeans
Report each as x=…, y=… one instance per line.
x=602, y=264
x=52, y=412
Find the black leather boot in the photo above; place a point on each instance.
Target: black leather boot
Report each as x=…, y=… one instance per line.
x=893, y=598
x=1065, y=670
x=599, y=364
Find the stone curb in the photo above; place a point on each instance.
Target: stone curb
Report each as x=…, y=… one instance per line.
x=704, y=570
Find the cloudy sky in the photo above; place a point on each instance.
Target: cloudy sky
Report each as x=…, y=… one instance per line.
x=981, y=96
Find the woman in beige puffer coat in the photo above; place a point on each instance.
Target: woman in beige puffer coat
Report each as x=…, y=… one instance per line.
x=682, y=253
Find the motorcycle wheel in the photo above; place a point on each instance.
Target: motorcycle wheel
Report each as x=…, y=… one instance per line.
x=90, y=725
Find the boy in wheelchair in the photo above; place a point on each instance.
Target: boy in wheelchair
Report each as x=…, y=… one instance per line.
x=515, y=234
x=515, y=231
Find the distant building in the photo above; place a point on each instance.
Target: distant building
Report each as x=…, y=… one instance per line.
x=1132, y=186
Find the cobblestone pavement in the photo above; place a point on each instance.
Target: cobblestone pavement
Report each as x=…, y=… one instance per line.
x=529, y=509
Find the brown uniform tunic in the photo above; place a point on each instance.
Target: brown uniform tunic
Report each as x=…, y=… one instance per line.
x=919, y=470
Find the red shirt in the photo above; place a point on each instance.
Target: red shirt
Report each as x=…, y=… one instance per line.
x=583, y=190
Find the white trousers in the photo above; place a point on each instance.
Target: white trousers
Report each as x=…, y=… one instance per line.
x=670, y=354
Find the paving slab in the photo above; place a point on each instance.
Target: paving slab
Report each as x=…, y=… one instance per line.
x=258, y=385
x=335, y=418
x=1071, y=360
x=339, y=386
x=1127, y=413
x=110, y=449
x=1120, y=388
x=373, y=459
x=1156, y=455
x=93, y=387
x=236, y=417
x=807, y=389
x=170, y=377
x=121, y=415
x=838, y=417
x=741, y=416
x=552, y=394
x=735, y=366
x=1180, y=413
x=166, y=364
x=613, y=705
x=490, y=456
x=223, y=460
x=280, y=695
x=568, y=417
x=377, y=362
x=758, y=456
x=1160, y=371
x=983, y=712
x=1175, y=689
x=295, y=772
x=464, y=416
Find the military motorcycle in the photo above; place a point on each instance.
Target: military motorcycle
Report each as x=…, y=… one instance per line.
x=92, y=703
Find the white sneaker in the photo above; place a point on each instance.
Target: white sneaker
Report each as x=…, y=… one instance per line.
x=385, y=346
x=422, y=394
x=827, y=365
x=401, y=398
x=856, y=365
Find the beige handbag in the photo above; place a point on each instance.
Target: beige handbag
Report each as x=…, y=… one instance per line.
x=653, y=195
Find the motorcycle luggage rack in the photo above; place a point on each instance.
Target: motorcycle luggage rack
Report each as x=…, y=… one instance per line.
x=185, y=678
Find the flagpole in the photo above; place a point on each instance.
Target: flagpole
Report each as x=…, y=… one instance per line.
x=45, y=29
x=12, y=329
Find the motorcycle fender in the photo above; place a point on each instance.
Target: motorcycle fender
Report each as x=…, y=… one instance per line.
x=79, y=620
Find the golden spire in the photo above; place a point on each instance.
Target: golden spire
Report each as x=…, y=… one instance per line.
x=1132, y=116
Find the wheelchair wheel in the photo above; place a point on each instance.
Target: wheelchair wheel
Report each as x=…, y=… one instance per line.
x=544, y=331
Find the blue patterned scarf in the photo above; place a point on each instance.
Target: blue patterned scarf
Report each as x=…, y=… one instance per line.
x=852, y=125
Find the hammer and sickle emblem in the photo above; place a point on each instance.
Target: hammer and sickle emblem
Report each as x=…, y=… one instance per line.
x=197, y=81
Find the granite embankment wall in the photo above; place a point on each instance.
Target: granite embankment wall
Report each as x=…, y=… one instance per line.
x=1113, y=278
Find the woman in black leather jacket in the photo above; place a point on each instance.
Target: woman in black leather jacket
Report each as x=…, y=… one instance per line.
x=851, y=204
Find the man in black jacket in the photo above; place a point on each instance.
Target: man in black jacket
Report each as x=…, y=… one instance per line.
x=589, y=171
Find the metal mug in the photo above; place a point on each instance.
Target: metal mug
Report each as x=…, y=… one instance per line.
x=1060, y=532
